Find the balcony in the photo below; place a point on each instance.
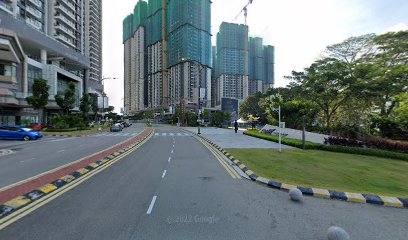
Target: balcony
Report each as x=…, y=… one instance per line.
x=34, y=23
x=36, y=3
x=62, y=9
x=65, y=30
x=34, y=12
x=68, y=4
x=6, y=7
x=65, y=20
x=65, y=40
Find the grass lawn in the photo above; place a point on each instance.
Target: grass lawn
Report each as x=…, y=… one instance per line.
x=94, y=130
x=329, y=170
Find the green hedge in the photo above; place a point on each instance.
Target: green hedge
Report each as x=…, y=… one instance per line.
x=331, y=148
x=61, y=130
x=67, y=129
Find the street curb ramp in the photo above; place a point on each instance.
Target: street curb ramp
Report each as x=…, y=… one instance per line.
x=315, y=192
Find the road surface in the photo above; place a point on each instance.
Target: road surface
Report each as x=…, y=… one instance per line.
x=173, y=187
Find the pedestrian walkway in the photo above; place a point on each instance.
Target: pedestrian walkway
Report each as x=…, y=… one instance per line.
x=227, y=138
x=172, y=134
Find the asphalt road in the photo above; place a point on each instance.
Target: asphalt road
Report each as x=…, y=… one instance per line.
x=182, y=192
x=34, y=157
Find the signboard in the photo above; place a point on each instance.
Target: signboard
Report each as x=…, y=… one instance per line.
x=282, y=125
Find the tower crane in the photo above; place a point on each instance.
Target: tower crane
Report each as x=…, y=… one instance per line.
x=245, y=11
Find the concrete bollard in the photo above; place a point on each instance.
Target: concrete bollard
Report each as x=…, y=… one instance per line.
x=337, y=233
x=295, y=194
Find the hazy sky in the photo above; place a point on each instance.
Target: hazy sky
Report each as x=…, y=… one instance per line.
x=298, y=29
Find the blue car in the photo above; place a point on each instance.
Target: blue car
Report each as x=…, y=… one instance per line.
x=19, y=133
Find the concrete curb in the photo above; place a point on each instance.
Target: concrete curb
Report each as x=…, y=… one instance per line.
x=28, y=198
x=315, y=192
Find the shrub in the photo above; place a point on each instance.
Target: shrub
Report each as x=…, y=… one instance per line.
x=381, y=144
x=331, y=148
x=343, y=142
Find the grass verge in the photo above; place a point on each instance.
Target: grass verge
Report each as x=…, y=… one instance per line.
x=330, y=148
x=329, y=170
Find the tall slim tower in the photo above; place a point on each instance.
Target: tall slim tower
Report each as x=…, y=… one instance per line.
x=261, y=66
x=231, y=61
x=135, y=58
x=93, y=44
x=177, y=50
x=189, y=50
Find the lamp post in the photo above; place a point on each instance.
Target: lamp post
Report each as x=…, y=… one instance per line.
x=104, y=94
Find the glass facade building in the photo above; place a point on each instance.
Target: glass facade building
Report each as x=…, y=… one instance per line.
x=232, y=54
x=178, y=60
x=261, y=66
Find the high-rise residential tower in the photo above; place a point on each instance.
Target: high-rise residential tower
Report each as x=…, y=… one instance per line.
x=177, y=54
x=230, y=69
x=261, y=66
x=93, y=45
x=189, y=50
x=135, y=61
x=53, y=40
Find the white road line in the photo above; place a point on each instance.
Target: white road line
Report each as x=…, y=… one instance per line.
x=23, y=161
x=171, y=134
x=60, y=151
x=149, y=211
x=178, y=134
x=156, y=134
x=164, y=134
x=169, y=159
x=172, y=150
x=164, y=173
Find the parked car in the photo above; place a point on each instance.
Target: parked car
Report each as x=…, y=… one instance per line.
x=19, y=133
x=116, y=127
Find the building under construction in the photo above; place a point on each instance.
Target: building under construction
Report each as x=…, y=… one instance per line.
x=261, y=66
x=167, y=54
x=244, y=66
x=231, y=61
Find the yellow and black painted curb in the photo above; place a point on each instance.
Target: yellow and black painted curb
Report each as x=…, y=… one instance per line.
x=315, y=192
x=32, y=196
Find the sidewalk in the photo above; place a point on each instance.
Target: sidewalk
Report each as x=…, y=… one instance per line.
x=227, y=138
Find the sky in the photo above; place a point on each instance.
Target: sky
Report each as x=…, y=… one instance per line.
x=300, y=30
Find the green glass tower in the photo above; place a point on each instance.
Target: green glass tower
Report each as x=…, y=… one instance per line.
x=177, y=50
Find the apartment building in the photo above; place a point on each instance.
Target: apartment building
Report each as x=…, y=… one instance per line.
x=177, y=53
x=232, y=59
x=56, y=39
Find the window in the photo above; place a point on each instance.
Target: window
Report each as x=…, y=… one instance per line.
x=7, y=70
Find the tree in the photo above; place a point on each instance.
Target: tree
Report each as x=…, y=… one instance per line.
x=111, y=109
x=327, y=83
x=67, y=102
x=85, y=105
x=94, y=104
x=251, y=106
x=389, y=65
x=220, y=117
x=39, y=99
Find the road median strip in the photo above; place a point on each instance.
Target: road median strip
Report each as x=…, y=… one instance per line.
x=315, y=192
x=10, y=206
